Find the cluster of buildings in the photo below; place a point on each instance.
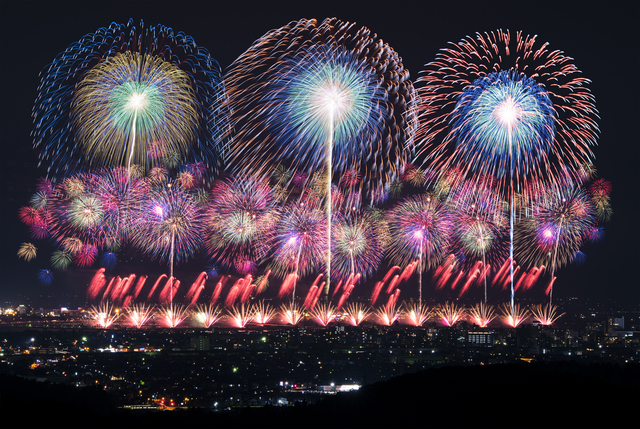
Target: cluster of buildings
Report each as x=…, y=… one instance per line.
x=222, y=368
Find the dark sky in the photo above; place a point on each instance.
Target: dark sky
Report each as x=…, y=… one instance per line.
x=601, y=36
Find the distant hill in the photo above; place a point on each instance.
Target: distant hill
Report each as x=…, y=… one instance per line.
x=523, y=395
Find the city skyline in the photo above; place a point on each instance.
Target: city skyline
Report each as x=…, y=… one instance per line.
x=47, y=29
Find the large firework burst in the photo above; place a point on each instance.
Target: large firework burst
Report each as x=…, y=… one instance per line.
x=420, y=228
x=171, y=226
x=300, y=241
x=308, y=91
x=561, y=221
x=118, y=94
x=480, y=225
x=241, y=223
x=357, y=249
x=507, y=106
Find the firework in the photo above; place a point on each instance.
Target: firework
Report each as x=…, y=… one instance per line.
x=27, y=251
x=172, y=316
x=207, y=315
x=421, y=230
x=387, y=315
x=30, y=215
x=86, y=256
x=139, y=314
x=299, y=245
x=116, y=94
x=416, y=314
x=514, y=316
x=263, y=313
x=450, y=313
x=240, y=223
x=480, y=225
x=324, y=313
x=45, y=277
x=561, y=222
x=305, y=84
x=506, y=107
x=61, y=259
x=239, y=316
x=481, y=314
x=196, y=288
x=104, y=315
x=291, y=314
x=356, y=248
x=109, y=260
x=171, y=227
x=545, y=314
x=356, y=313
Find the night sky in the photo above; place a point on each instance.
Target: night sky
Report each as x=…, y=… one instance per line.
x=600, y=36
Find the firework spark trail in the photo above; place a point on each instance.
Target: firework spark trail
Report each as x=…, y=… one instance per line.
x=240, y=316
x=291, y=314
x=562, y=221
x=356, y=313
x=477, y=212
x=550, y=286
x=232, y=295
x=107, y=292
x=450, y=313
x=247, y=289
x=357, y=248
x=317, y=297
x=155, y=286
x=218, y=290
x=376, y=292
x=122, y=288
x=387, y=315
x=172, y=316
x=416, y=314
x=287, y=286
x=392, y=284
x=104, y=315
x=310, y=298
x=473, y=276
x=137, y=87
x=263, y=313
x=27, y=251
x=207, y=315
x=556, y=127
x=262, y=282
x=170, y=290
x=139, y=285
x=138, y=314
x=324, y=313
x=299, y=247
x=408, y=271
x=545, y=314
x=45, y=277
x=345, y=296
x=337, y=289
x=481, y=314
x=195, y=286
x=171, y=227
x=514, y=316
x=392, y=302
x=97, y=283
